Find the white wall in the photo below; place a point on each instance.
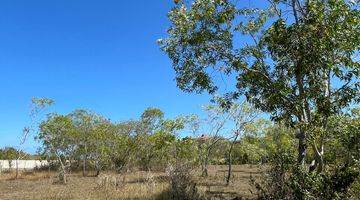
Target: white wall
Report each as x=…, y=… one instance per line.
x=23, y=164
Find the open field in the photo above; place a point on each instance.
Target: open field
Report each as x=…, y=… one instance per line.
x=134, y=185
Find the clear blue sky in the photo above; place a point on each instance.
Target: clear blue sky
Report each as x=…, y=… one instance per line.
x=98, y=55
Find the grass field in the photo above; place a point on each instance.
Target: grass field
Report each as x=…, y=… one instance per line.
x=133, y=185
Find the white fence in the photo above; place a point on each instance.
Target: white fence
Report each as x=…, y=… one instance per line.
x=22, y=164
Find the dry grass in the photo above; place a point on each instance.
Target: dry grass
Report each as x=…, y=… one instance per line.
x=137, y=185
x=215, y=183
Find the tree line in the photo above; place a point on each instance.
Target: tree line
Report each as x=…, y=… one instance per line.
x=84, y=140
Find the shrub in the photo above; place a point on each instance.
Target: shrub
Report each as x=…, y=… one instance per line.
x=182, y=187
x=286, y=180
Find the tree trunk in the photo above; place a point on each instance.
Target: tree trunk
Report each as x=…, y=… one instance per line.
x=321, y=159
x=318, y=162
x=97, y=166
x=62, y=170
x=230, y=161
x=302, y=147
x=229, y=169
x=17, y=168
x=84, y=162
x=62, y=173
x=84, y=165
x=200, y=156
x=205, y=166
x=326, y=107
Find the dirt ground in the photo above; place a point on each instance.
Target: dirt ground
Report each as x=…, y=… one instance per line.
x=133, y=185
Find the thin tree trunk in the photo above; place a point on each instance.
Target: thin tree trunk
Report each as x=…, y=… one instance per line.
x=84, y=162
x=97, y=173
x=205, y=165
x=97, y=166
x=321, y=159
x=318, y=162
x=17, y=168
x=84, y=166
x=201, y=160
x=230, y=160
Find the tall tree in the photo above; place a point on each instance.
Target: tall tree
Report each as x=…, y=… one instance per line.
x=298, y=60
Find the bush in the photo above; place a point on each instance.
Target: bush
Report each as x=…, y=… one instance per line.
x=181, y=185
x=286, y=180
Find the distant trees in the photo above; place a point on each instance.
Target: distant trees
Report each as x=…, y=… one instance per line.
x=10, y=153
x=85, y=137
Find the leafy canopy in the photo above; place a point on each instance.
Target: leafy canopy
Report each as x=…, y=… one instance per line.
x=296, y=59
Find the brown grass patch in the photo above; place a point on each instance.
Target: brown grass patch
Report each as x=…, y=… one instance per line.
x=39, y=185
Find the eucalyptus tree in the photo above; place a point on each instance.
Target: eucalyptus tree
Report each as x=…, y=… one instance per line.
x=85, y=121
x=174, y=149
x=156, y=138
x=147, y=131
x=58, y=137
x=99, y=149
x=151, y=119
x=297, y=60
x=122, y=144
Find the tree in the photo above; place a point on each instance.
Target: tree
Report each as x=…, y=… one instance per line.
x=245, y=120
x=37, y=105
x=146, y=136
x=122, y=144
x=215, y=124
x=300, y=65
x=58, y=136
x=85, y=121
x=9, y=153
x=98, y=146
x=151, y=120
x=156, y=138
